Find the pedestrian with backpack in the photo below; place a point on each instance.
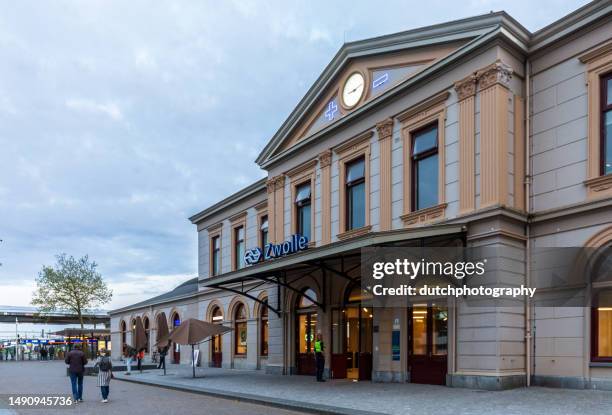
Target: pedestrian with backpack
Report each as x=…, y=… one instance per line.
x=105, y=373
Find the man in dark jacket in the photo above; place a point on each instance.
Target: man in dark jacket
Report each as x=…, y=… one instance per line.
x=76, y=361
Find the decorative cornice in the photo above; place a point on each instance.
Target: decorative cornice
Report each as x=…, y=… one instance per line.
x=385, y=129
x=596, y=53
x=466, y=87
x=215, y=227
x=238, y=217
x=301, y=168
x=599, y=186
x=426, y=215
x=423, y=106
x=261, y=206
x=354, y=142
x=496, y=73
x=325, y=159
x=353, y=233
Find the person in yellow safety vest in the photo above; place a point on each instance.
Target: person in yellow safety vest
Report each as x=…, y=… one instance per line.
x=319, y=347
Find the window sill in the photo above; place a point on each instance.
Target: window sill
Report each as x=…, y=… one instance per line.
x=353, y=233
x=240, y=356
x=599, y=186
x=423, y=216
x=601, y=364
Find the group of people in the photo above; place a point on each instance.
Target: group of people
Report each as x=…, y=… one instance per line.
x=76, y=361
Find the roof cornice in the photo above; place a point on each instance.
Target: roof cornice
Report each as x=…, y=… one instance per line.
x=571, y=23
x=242, y=194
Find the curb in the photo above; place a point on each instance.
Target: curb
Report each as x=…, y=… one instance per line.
x=300, y=406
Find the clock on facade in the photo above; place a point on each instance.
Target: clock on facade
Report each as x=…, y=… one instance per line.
x=353, y=90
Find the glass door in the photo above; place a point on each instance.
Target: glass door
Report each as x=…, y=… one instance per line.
x=428, y=343
x=306, y=331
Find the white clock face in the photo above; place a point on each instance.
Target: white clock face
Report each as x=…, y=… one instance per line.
x=353, y=90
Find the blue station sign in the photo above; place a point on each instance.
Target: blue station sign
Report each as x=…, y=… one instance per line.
x=295, y=243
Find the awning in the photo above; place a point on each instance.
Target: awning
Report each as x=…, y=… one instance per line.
x=272, y=271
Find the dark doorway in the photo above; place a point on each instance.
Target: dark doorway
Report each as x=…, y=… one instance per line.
x=428, y=343
x=176, y=348
x=216, y=356
x=352, y=334
x=305, y=332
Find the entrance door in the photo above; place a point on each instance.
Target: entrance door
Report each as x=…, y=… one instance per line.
x=352, y=343
x=176, y=353
x=428, y=343
x=306, y=330
x=217, y=357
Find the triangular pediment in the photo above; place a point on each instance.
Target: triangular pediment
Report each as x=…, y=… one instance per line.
x=378, y=73
x=386, y=65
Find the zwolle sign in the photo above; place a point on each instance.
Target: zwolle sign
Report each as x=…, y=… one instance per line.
x=295, y=243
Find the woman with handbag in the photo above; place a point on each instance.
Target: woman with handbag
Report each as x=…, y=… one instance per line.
x=105, y=373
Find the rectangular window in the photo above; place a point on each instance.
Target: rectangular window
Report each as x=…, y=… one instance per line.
x=216, y=255
x=239, y=247
x=606, y=127
x=263, y=231
x=424, y=155
x=355, y=194
x=602, y=328
x=303, y=210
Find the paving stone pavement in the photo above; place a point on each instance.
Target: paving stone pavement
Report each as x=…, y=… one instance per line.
x=386, y=398
x=125, y=398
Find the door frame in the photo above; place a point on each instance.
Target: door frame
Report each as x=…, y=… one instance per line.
x=308, y=312
x=429, y=358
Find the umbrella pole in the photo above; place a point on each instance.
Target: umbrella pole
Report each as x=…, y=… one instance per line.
x=193, y=362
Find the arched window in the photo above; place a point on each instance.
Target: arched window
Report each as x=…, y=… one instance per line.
x=264, y=328
x=240, y=330
x=216, y=351
x=176, y=320
x=133, y=329
x=147, y=330
x=304, y=301
x=357, y=295
x=601, y=315
x=217, y=315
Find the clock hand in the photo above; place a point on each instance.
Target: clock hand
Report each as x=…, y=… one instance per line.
x=356, y=88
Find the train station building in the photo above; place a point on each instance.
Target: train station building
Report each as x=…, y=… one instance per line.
x=471, y=133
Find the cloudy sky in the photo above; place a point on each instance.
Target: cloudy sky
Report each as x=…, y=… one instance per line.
x=120, y=119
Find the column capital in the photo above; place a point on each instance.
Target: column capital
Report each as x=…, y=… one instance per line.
x=325, y=159
x=385, y=129
x=496, y=73
x=466, y=87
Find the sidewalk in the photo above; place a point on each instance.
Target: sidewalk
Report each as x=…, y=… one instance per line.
x=302, y=393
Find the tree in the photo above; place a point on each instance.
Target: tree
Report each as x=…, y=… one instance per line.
x=73, y=285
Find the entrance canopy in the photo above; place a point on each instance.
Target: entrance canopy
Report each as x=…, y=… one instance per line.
x=338, y=258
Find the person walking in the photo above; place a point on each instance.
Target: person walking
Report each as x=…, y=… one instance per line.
x=76, y=361
x=319, y=347
x=162, y=357
x=51, y=352
x=105, y=373
x=130, y=353
x=140, y=357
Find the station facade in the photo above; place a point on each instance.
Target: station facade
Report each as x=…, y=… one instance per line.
x=470, y=133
